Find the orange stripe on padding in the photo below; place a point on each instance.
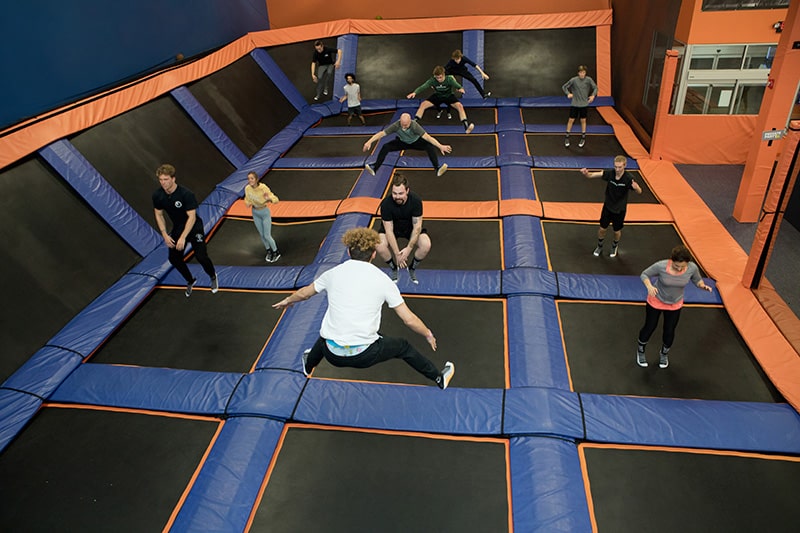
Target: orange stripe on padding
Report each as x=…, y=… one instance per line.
x=360, y=204
x=461, y=209
x=520, y=207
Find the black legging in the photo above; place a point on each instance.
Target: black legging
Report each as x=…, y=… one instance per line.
x=396, y=145
x=651, y=321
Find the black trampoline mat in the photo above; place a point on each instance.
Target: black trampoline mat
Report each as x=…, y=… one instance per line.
x=560, y=115
x=543, y=144
x=236, y=242
x=328, y=146
x=708, y=360
x=128, y=149
x=223, y=332
x=391, y=66
x=657, y=490
x=346, y=481
x=471, y=145
x=57, y=255
x=311, y=184
x=476, y=115
x=570, y=246
x=245, y=104
x=294, y=60
x=469, y=332
x=562, y=185
x=463, y=244
x=380, y=118
x=462, y=185
x=94, y=470
x=536, y=62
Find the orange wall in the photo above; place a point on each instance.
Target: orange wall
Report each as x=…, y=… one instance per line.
x=285, y=13
x=711, y=27
x=706, y=139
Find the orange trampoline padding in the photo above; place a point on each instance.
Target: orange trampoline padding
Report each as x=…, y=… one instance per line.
x=591, y=211
x=307, y=209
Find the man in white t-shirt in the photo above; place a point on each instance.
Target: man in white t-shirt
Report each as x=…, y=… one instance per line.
x=357, y=290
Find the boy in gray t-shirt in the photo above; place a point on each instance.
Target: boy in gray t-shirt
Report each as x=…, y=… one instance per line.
x=581, y=89
x=352, y=93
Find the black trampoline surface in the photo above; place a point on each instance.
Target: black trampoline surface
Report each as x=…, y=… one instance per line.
x=463, y=244
x=128, y=149
x=328, y=146
x=344, y=481
x=570, y=245
x=245, y=104
x=294, y=61
x=463, y=185
x=569, y=185
x=540, y=144
x=637, y=489
x=471, y=145
x=470, y=333
x=223, y=332
x=521, y=62
x=708, y=359
x=380, y=118
x=236, y=242
x=391, y=66
x=560, y=115
x=57, y=257
x=95, y=470
x=477, y=115
x=311, y=184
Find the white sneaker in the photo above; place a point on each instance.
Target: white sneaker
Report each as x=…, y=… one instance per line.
x=369, y=169
x=442, y=169
x=447, y=374
x=470, y=127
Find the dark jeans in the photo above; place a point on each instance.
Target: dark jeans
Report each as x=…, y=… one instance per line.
x=379, y=351
x=396, y=145
x=200, y=252
x=470, y=77
x=651, y=321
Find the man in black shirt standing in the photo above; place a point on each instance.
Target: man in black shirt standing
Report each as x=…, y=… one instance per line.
x=323, y=63
x=181, y=206
x=401, y=214
x=615, y=204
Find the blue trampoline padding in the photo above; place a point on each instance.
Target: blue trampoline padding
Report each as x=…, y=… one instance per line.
x=311, y=272
x=369, y=186
x=512, y=142
x=560, y=128
x=84, y=333
x=333, y=249
x=227, y=486
x=472, y=47
x=743, y=426
x=209, y=126
x=543, y=412
x=16, y=410
x=238, y=277
x=507, y=102
x=605, y=287
x=454, y=411
x=276, y=75
x=343, y=130
x=561, y=101
x=452, y=282
x=416, y=161
x=268, y=393
x=155, y=265
x=516, y=182
x=528, y=280
x=215, y=206
x=514, y=159
x=44, y=371
x=354, y=161
x=156, y=389
x=509, y=118
x=97, y=192
x=535, y=349
x=297, y=330
x=575, y=161
x=523, y=243
x=260, y=163
x=547, y=488
x=458, y=128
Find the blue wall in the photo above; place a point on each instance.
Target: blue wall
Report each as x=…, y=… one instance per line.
x=54, y=52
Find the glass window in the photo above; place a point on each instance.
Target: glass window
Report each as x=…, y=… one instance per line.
x=759, y=56
x=733, y=5
x=720, y=101
x=717, y=57
x=695, y=101
x=708, y=99
x=748, y=100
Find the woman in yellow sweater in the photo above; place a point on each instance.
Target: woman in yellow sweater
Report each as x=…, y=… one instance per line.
x=258, y=196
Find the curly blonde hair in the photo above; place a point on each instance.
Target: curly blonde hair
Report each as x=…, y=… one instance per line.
x=361, y=242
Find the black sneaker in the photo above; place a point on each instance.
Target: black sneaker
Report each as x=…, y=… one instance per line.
x=439, y=114
x=443, y=379
x=214, y=285
x=325, y=92
x=275, y=256
x=394, y=275
x=582, y=141
x=641, y=360
x=449, y=115
x=597, y=251
x=413, y=275
x=613, y=251
x=316, y=98
x=369, y=169
x=188, y=291
x=663, y=360
x=306, y=373
x=488, y=94
x=566, y=141
x=268, y=257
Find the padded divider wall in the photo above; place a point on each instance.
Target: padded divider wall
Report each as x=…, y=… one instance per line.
x=516, y=182
x=296, y=331
x=226, y=489
x=333, y=249
x=542, y=411
x=269, y=393
x=209, y=126
x=523, y=242
x=348, y=44
x=98, y=193
x=281, y=81
x=536, y=354
x=472, y=47
x=622, y=288
x=16, y=409
x=512, y=142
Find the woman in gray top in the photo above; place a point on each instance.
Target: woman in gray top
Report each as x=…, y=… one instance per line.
x=666, y=296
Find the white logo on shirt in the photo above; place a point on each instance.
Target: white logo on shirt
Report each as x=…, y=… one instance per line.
x=178, y=204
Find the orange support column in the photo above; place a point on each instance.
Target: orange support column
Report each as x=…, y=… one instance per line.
x=664, y=101
x=775, y=109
